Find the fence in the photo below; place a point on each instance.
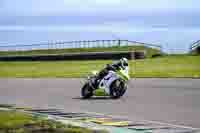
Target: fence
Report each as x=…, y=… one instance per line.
x=75, y=44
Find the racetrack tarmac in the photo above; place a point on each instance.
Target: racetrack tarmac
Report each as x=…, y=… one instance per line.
x=174, y=101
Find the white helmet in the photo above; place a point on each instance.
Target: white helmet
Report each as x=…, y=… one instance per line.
x=124, y=62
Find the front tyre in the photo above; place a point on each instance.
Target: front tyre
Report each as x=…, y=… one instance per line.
x=117, y=88
x=86, y=91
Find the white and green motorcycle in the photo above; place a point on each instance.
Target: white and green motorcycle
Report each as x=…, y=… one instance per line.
x=114, y=84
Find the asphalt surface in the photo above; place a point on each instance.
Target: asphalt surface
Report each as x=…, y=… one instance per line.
x=174, y=101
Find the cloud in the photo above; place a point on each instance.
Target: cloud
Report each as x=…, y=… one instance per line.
x=93, y=7
x=81, y=28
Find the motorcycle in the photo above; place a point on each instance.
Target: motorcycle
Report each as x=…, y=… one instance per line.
x=114, y=84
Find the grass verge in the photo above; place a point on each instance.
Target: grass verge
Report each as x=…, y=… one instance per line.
x=15, y=122
x=165, y=66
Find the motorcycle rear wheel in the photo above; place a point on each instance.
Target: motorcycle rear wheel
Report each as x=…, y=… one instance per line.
x=86, y=91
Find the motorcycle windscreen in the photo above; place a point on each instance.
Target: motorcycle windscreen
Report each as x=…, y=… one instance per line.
x=123, y=74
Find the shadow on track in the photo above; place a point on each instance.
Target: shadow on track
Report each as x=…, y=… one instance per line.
x=95, y=98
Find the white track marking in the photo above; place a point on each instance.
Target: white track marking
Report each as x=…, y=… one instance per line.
x=156, y=122
x=116, y=116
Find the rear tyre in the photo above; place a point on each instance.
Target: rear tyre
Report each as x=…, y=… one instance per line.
x=86, y=91
x=117, y=89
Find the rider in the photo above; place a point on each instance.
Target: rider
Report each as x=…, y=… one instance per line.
x=122, y=63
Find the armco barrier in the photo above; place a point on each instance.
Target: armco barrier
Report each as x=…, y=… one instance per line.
x=77, y=56
x=198, y=50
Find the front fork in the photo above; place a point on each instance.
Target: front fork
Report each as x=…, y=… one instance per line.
x=91, y=82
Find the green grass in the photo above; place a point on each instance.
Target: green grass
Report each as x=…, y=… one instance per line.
x=49, y=68
x=15, y=122
x=169, y=66
x=165, y=66
x=10, y=120
x=149, y=51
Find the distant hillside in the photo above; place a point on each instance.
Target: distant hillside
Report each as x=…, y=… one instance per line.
x=149, y=51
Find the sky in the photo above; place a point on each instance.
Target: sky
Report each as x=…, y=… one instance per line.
x=172, y=23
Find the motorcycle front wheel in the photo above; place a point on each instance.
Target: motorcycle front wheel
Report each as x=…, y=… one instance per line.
x=117, y=88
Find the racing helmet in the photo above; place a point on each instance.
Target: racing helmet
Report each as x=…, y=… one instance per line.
x=124, y=62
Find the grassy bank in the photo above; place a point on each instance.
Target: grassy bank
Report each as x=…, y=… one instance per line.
x=169, y=66
x=149, y=51
x=14, y=122
x=166, y=66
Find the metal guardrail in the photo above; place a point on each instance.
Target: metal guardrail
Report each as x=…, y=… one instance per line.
x=194, y=45
x=75, y=44
x=77, y=56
